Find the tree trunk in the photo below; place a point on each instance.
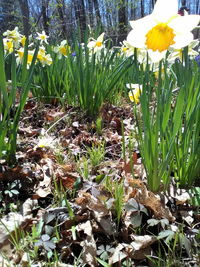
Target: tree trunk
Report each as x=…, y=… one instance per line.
x=142, y=8
x=25, y=16
x=45, y=16
x=133, y=10
x=80, y=16
x=122, y=21
x=61, y=12
x=91, y=16
x=97, y=13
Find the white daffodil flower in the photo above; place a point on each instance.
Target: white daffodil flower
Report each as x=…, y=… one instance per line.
x=178, y=53
x=162, y=29
x=46, y=141
x=96, y=45
x=127, y=49
x=63, y=49
x=13, y=35
x=42, y=37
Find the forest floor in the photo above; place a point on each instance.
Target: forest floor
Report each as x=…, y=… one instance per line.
x=78, y=196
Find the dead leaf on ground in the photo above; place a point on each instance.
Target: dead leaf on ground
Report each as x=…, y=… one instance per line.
x=51, y=116
x=135, y=188
x=44, y=187
x=88, y=244
x=99, y=211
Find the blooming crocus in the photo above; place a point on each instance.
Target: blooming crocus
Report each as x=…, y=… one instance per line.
x=42, y=37
x=96, y=45
x=135, y=92
x=162, y=29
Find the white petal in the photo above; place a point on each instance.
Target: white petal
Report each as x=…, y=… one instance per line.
x=91, y=44
x=143, y=22
x=184, y=23
x=156, y=56
x=100, y=38
x=64, y=42
x=164, y=9
x=182, y=40
x=136, y=38
x=133, y=85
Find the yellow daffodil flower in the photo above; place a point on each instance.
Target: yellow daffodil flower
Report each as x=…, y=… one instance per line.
x=23, y=40
x=20, y=55
x=96, y=45
x=42, y=37
x=8, y=45
x=45, y=59
x=14, y=35
x=63, y=49
x=162, y=29
x=135, y=92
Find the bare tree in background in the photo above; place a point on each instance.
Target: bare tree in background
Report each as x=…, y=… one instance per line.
x=122, y=20
x=97, y=13
x=62, y=11
x=45, y=17
x=25, y=16
x=80, y=15
x=142, y=8
x=90, y=11
x=7, y=15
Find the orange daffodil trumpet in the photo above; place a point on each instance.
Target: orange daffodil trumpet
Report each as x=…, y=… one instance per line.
x=163, y=29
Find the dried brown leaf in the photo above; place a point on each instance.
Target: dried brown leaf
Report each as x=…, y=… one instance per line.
x=88, y=244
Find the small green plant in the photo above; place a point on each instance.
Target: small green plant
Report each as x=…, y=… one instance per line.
x=99, y=125
x=13, y=188
x=59, y=154
x=119, y=203
x=83, y=167
x=96, y=154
